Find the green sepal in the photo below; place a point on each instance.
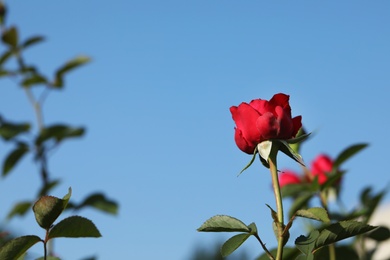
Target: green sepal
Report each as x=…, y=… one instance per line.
x=251, y=161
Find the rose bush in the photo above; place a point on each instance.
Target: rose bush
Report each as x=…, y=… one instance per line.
x=262, y=120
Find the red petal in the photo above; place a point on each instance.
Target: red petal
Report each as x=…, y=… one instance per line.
x=242, y=143
x=268, y=126
x=245, y=118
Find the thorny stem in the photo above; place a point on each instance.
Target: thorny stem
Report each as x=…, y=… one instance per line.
x=278, y=198
x=264, y=247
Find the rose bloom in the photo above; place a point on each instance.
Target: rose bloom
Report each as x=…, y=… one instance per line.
x=288, y=177
x=321, y=167
x=262, y=120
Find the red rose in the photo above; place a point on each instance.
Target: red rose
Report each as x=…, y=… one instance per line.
x=288, y=177
x=321, y=167
x=262, y=120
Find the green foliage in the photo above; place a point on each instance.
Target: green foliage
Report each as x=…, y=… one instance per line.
x=316, y=213
x=14, y=157
x=74, y=226
x=223, y=223
x=17, y=247
x=233, y=243
x=20, y=209
x=98, y=201
x=48, y=208
x=347, y=154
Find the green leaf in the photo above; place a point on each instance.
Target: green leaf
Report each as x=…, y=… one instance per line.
x=58, y=133
x=13, y=158
x=307, y=244
x=380, y=234
x=99, y=201
x=3, y=12
x=31, y=41
x=10, y=130
x=371, y=201
x=74, y=226
x=5, y=56
x=68, y=66
x=34, y=79
x=223, y=223
x=17, y=247
x=250, y=163
x=348, y=153
x=341, y=230
x=20, y=208
x=48, y=208
x=233, y=243
x=10, y=37
x=319, y=214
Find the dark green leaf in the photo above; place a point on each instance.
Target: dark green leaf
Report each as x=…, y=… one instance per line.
x=319, y=214
x=17, y=247
x=4, y=73
x=371, y=201
x=99, y=201
x=223, y=223
x=13, y=158
x=348, y=153
x=31, y=41
x=341, y=230
x=307, y=244
x=10, y=37
x=48, y=208
x=5, y=56
x=3, y=12
x=380, y=234
x=233, y=243
x=10, y=130
x=34, y=79
x=74, y=226
x=58, y=133
x=70, y=65
x=20, y=208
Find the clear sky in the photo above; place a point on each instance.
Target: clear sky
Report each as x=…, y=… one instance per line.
x=155, y=101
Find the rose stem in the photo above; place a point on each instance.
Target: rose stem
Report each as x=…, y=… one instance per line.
x=278, y=198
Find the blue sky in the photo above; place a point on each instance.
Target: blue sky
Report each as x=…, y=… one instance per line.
x=155, y=101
